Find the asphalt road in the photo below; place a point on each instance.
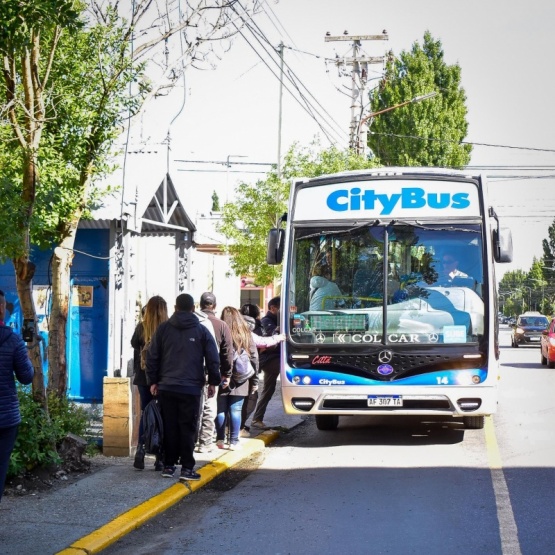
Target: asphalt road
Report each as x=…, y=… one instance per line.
x=386, y=486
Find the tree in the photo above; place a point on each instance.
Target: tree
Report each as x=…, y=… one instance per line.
x=72, y=81
x=215, y=202
x=548, y=259
x=536, y=282
x=29, y=37
x=548, y=269
x=511, y=288
x=427, y=133
x=258, y=207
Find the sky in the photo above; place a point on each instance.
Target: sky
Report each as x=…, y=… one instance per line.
x=505, y=49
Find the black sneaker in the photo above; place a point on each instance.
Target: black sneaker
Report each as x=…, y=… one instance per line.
x=139, y=462
x=188, y=474
x=158, y=466
x=168, y=471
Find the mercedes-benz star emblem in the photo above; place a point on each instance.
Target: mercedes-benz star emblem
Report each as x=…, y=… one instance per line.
x=385, y=356
x=320, y=338
x=433, y=337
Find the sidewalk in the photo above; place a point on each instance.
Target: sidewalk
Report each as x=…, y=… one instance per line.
x=92, y=513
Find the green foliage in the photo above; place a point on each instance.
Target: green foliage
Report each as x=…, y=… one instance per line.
x=520, y=291
x=39, y=433
x=21, y=18
x=258, y=207
x=215, y=202
x=426, y=133
x=87, y=99
x=548, y=259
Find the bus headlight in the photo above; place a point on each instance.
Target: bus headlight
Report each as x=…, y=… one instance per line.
x=468, y=405
x=302, y=403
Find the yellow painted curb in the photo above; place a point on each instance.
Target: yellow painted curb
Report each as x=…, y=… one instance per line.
x=106, y=535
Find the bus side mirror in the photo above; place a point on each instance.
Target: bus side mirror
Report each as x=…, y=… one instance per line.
x=502, y=245
x=276, y=241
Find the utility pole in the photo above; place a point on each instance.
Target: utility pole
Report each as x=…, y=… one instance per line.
x=280, y=49
x=359, y=78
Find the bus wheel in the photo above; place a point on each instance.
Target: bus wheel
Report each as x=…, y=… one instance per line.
x=473, y=422
x=327, y=421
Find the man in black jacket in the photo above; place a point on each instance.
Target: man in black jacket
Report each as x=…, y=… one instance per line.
x=269, y=363
x=179, y=351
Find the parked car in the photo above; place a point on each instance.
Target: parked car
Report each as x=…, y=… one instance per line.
x=548, y=345
x=528, y=329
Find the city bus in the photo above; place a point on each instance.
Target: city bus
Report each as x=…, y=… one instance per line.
x=388, y=297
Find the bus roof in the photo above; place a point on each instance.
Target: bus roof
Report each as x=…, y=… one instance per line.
x=389, y=171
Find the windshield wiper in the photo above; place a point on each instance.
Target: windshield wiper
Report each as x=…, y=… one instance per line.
x=350, y=230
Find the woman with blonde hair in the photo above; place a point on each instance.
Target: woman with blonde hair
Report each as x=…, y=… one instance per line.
x=154, y=313
x=232, y=395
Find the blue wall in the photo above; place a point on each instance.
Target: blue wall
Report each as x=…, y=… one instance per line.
x=87, y=350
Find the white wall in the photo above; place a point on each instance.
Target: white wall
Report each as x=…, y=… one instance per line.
x=210, y=273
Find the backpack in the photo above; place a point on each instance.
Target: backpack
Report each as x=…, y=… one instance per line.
x=242, y=367
x=153, y=428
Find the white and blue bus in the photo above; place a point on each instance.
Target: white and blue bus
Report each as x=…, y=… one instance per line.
x=388, y=297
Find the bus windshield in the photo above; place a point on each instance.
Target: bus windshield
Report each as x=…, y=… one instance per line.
x=394, y=284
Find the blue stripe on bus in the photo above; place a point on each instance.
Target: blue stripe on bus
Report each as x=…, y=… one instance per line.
x=304, y=376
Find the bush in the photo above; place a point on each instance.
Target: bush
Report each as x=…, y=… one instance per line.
x=40, y=433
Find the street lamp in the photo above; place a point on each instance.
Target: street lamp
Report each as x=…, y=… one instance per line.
x=363, y=128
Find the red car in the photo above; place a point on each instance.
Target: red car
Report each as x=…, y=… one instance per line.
x=548, y=345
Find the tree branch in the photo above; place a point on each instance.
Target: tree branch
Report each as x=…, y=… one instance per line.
x=9, y=78
x=51, y=56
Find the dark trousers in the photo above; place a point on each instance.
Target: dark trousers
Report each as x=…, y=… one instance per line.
x=146, y=397
x=248, y=407
x=7, y=441
x=180, y=416
x=271, y=374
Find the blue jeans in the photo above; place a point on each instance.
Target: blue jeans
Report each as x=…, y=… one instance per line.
x=7, y=441
x=232, y=405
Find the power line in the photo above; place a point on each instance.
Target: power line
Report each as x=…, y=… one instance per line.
x=225, y=162
x=293, y=79
x=312, y=111
x=266, y=5
x=461, y=142
x=499, y=178
x=275, y=75
x=219, y=171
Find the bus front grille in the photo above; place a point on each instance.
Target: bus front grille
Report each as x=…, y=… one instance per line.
x=403, y=364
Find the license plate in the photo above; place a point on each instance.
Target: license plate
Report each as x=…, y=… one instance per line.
x=385, y=401
x=534, y=339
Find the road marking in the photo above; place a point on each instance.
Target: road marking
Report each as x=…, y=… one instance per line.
x=508, y=530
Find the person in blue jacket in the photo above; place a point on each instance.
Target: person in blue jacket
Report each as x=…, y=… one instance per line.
x=14, y=360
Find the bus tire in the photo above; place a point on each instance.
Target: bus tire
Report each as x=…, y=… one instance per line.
x=327, y=421
x=473, y=422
